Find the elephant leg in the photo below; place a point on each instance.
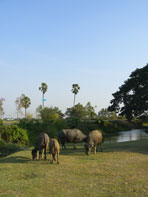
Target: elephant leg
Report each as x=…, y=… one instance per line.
x=64, y=146
x=95, y=149
x=51, y=158
x=57, y=157
x=101, y=148
x=40, y=154
x=45, y=153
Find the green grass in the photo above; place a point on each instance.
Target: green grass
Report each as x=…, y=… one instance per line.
x=6, y=149
x=121, y=170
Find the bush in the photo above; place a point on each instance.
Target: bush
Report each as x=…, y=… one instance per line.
x=18, y=135
x=14, y=134
x=35, y=127
x=115, y=126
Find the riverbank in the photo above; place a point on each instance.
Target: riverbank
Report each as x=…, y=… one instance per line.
x=120, y=170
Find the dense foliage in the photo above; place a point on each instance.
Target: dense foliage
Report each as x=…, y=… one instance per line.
x=50, y=114
x=25, y=102
x=79, y=113
x=131, y=99
x=13, y=134
x=50, y=126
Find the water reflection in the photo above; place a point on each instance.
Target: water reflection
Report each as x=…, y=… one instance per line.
x=124, y=136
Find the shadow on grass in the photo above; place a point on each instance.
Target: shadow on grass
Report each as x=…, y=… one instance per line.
x=71, y=151
x=16, y=159
x=134, y=146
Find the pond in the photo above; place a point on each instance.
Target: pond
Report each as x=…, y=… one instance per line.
x=125, y=136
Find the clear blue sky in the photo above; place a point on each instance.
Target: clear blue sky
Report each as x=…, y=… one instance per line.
x=95, y=43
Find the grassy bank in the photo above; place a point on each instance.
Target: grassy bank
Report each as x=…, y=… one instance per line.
x=121, y=170
x=6, y=149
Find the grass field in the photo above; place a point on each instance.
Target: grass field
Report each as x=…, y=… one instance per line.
x=120, y=170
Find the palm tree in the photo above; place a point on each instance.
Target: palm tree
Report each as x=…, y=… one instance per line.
x=75, y=90
x=25, y=102
x=43, y=89
x=19, y=105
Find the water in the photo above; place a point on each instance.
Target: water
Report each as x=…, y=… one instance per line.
x=125, y=136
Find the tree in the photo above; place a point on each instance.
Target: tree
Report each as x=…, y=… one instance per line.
x=25, y=102
x=1, y=108
x=43, y=89
x=131, y=99
x=78, y=111
x=90, y=112
x=75, y=115
x=105, y=114
x=29, y=116
x=38, y=111
x=50, y=114
x=18, y=106
x=75, y=90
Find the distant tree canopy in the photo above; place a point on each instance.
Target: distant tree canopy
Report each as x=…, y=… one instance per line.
x=90, y=111
x=81, y=112
x=1, y=108
x=25, y=102
x=77, y=111
x=50, y=114
x=107, y=115
x=132, y=98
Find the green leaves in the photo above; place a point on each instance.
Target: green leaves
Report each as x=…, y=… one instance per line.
x=132, y=98
x=43, y=88
x=75, y=88
x=79, y=113
x=50, y=114
x=25, y=101
x=14, y=134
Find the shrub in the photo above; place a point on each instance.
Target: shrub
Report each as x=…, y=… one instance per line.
x=18, y=135
x=35, y=127
x=14, y=134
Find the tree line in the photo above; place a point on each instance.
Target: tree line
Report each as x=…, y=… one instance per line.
x=130, y=101
x=24, y=101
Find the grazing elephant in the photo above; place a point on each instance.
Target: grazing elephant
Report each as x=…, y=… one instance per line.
x=54, y=149
x=41, y=145
x=70, y=135
x=94, y=138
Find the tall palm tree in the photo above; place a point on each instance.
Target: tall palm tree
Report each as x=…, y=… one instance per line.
x=25, y=102
x=43, y=89
x=75, y=90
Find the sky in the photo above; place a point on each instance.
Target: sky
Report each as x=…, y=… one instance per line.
x=94, y=43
